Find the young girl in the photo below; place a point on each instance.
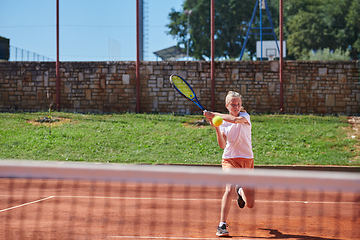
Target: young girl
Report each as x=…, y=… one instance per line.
x=234, y=136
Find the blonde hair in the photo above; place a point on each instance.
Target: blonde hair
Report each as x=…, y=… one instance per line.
x=231, y=95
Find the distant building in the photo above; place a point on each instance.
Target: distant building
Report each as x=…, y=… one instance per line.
x=4, y=48
x=170, y=54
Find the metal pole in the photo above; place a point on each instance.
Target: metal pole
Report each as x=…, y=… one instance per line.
x=141, y=30
x=137, y=57
x=188, y=38
x=248, y=32
x=57, y=58
x=188, y=13
x=261, y=37
x=212, y=54
x=281, y=59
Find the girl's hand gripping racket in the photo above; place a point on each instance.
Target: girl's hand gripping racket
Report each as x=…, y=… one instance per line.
x=185, y=89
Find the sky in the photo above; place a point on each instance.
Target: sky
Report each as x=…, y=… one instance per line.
x=89, y=30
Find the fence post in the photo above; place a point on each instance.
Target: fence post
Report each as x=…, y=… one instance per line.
x=212, y=55
x=57, y=58
x=281, y=59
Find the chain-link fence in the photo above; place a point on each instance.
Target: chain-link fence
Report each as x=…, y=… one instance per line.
x=19, y=54
x=180, y=30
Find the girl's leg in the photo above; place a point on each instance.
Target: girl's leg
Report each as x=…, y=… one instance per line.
x=249, y=192
x=250, y=197
x=226, y=202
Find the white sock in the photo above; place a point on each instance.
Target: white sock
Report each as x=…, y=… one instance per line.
x=222, y=223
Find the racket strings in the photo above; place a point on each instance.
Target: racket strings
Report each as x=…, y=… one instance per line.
x=182, y=87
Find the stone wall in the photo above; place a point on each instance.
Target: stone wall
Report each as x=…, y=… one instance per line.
x=329, y=87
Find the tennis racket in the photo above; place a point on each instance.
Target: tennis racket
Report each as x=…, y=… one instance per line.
x=185, y=89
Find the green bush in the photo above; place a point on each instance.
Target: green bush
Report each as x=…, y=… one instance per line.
x=326, y=54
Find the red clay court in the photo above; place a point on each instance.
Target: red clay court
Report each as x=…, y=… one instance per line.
x=74, y=209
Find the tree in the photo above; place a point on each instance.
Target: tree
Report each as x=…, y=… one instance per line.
x=353, y=28
x=318, y=24
x=231, y=21
x=309, y=25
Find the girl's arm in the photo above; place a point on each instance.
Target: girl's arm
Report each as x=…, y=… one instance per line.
x=221, y=137
x=225, y=117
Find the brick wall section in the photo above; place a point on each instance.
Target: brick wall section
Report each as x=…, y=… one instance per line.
x=324, y=87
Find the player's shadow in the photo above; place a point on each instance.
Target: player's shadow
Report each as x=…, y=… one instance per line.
x=279, y=235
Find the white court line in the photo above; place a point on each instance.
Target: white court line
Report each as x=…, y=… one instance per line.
x=305, y=202
x=206, y=199
x=184, y=238
x=137, y=198
x=43, y=199
x=190, y=199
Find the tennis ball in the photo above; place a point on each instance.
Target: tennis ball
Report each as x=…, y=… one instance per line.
x=217, y=121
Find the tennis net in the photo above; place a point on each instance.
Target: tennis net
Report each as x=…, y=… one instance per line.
x=53, y=200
